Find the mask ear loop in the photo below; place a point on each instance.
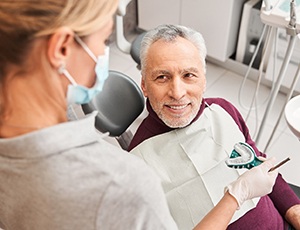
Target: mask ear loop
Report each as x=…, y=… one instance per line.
x=62, y=70
x=85, y=47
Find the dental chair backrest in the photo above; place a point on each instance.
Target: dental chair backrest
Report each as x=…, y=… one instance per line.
x=132, y=48
x=118, y=104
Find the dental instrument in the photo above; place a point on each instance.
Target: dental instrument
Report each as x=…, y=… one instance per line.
x=268, y=5
x=267, y=32
x=276, y=17
x=279, y=164
x=288, y=97
x=269, y=36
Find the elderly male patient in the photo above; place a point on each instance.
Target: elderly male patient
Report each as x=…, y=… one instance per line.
x=186, y=138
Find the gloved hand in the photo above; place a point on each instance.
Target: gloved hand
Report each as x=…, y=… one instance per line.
x=256, y=182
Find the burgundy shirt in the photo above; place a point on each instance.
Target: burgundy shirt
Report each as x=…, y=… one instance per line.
x=271, y=209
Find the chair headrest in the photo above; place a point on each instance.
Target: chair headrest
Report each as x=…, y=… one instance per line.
x=136, y=47
x=119, y=103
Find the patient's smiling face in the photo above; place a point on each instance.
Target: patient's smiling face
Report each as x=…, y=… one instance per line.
x=174, y=81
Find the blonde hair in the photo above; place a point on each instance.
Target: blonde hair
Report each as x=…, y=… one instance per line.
x=21, y=21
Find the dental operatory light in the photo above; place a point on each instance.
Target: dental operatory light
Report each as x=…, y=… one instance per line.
x=292, y=115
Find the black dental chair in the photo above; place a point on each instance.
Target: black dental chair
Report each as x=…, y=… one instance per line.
x=296, y=189
x=121, y=100
x=119, y=104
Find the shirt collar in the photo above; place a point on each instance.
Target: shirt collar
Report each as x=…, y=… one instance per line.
x=51, y=140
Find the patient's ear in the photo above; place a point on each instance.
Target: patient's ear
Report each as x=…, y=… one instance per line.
x=59, y=46
x=144, y=87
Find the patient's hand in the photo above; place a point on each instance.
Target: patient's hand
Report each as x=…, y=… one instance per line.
x=293, y=216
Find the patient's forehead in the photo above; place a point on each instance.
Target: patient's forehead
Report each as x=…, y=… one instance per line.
x=178, y=42
x=178, y=54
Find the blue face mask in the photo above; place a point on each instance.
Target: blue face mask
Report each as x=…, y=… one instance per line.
x=79, y=94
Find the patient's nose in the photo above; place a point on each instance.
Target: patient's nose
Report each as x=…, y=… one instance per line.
x=177, y=88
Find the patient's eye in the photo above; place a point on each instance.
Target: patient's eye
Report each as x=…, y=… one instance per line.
x=161, y=78
x=189, y=75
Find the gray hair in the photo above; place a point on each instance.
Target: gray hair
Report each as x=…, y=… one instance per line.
x=169, y=33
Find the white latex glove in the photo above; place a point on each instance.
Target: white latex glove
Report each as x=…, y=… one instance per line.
x=256, y=182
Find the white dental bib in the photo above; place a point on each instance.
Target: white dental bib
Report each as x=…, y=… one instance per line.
x=191, y=164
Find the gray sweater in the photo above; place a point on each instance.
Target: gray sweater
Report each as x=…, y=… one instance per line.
x=68, y=177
